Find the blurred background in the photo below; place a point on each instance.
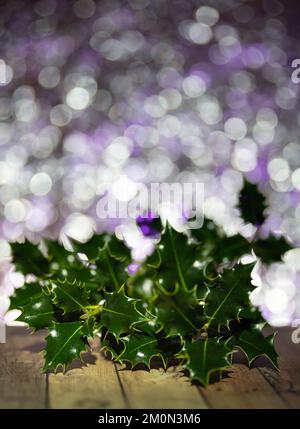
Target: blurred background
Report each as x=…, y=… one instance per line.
x=142, y=91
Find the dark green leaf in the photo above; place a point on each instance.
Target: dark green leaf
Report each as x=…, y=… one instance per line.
x=69, y=296
x=92, y=247
x=252, y=204
x=120, y=314
x=180, y=314
x=64, y=344
x=112, y=265
x=38, y=313
x=271, y=249
x=177, y=256
x=29, y=259
x=203, y=357
x=254, y=344
x=111, y=344
x=227, y=298
x=139, y=348
x=141, y=285
x=215, y=247
x=23, y=295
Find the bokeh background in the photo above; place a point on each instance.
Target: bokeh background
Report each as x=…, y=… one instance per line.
x=101, y=95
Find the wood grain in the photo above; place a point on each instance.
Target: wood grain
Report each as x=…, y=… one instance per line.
x=244, y=388
x=160, y=389
x=95, y=385
x=286, y=382
x=22, y=385
x=100, y=383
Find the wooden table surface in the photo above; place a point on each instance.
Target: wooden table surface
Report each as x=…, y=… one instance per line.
x=100, y=383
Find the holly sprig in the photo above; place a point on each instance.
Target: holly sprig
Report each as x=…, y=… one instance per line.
x=188, y=304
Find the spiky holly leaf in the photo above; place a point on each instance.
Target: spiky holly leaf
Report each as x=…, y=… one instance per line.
x=109, y=254
x=29, y=259
x=228, y=296
x=254, y=344
x=203, y=357
x=119, y=313
x=139, y=348
x=37, y=309
x=117, y=249
x=141, y=285
x=271, y=249
x=69, y=296
x=177, y=257
x=64, y=344
x=179, y=314
x=252, y=204
x=208, y=239
x=92, y=247
x=57, y=253
x=38, y=313
x=230, y=249
x=23, y=295
x=70, y=268
x=215, y=247
x=110, y=343
x=111, y=263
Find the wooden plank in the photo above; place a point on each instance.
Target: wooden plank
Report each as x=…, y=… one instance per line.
x=158, y=389
x=95, y=385
x=245, y=388
x=22, y=385
x=286, y=382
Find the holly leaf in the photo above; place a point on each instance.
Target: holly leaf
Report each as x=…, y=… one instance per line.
x=112, y=344
x=203, y=357
x=228, y=296
x=252, y=204
x=69, y=296
x=112, y=261
x=23, y=295
x=28, y=259
x=179, y=314
x=92, y=247
x=271, y=249
x=177, y=256
x=117, y=249
x=38, y=313
x=214, y=247
x=254, y=344
x=37, y=309
x=139, y=348
x=64, y=344
x=231, y=249
x=68, y=266
x=119, y=313
x=58, y=254
x=141, y=285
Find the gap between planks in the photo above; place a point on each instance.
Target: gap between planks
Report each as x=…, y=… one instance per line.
x=287, y=382
x=102, y=384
